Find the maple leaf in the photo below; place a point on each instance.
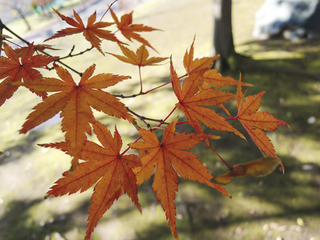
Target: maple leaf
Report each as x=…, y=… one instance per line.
x=214, y=78
x=92, y=32
x=16, y=69
x=192, y=65
x=37, y=47
x=140, y=58
x=258, y=168
x=128, y=30
x=170, y=158
x=106, y=166
x=75, y=102
x=192, y=99
x=255, y=123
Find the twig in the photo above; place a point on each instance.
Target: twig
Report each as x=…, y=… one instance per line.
x=144, y=119
x=76, y=54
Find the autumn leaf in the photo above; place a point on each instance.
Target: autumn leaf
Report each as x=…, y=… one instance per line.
x=92, y=33
x=129, y=30
x=214, y=78
x=37, y=47
x=193, y=65
x=255, y=123
x=140, y=58
x=258, y=168
x=192, y=101
x=106, y=166
x=75, y=102
x=170, y=158
x=15, y=68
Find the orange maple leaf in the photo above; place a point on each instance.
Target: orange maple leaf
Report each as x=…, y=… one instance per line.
x=128, y=30
x=92, y=32
x=75, y=102
x=37, y=47
x=169, y=158
x=192, y=100
x=193, y=65
x=15, y=68
x=214, y=78
x=140, y=58
x=106, y=166
x=255, y=123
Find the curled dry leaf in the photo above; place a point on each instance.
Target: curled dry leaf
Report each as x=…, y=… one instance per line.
x=258, y=168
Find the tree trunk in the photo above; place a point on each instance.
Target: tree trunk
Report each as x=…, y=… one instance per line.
x=21, y=14
x=223, y=38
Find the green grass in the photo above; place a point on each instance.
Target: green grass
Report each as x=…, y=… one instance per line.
x=261, y=208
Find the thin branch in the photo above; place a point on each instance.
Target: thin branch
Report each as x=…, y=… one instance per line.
x=144, y=119
x=140, y=79
x=28, y=43
x=76, y=54
x=1, y=28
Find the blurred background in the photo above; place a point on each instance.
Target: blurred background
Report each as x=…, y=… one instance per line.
x=274, y=44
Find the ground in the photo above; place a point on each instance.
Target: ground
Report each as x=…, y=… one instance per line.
x=274, y=207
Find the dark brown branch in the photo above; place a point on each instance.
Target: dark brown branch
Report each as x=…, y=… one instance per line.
x=76, y=54
x=144, y=119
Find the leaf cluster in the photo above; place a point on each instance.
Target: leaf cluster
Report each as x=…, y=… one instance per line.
x=104, y=165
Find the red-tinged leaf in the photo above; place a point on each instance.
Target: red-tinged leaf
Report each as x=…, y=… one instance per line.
x=193, y=99
x=170, y=158
x=213, y=78
x=255, y=122
x=75, y=103
x=129, y=30
x=193, y=65
x=16, y=69
x=140, y=58
x=258, y=168
x=92, y=33
x=106, y=166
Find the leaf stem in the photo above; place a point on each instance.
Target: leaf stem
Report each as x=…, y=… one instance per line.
x=107, y=10
x=141, y=93
x=163, y=121
x=230, y=119
x=217, y=155
x=140, y=79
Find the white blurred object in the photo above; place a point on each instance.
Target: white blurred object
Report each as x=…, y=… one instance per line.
x=296, y=18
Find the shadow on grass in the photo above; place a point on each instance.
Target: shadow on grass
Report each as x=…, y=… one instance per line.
x=18, y=224
x=20, y=149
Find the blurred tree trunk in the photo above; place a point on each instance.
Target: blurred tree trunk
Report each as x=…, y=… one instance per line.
x=223, y=38
x=18, y=6
x=23, y=17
